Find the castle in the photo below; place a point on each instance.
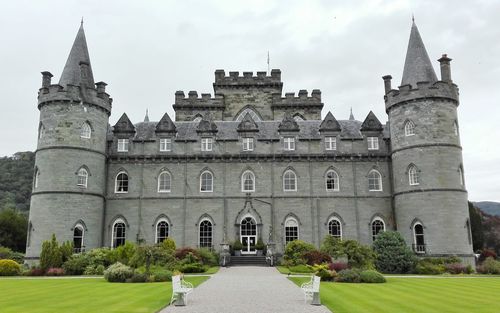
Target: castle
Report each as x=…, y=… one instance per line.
x=249, y=163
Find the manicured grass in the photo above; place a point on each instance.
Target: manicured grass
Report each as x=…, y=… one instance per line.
x=84, y=295
x=211, y=270
x=478, y=295
x=286, y=270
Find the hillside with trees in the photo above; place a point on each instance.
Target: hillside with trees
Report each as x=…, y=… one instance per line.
x=16, y=177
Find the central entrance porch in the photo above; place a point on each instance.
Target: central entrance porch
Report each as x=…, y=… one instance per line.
x=248, y=235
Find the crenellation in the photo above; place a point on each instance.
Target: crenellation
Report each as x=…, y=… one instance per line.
x=439, y=89
x=247, y=79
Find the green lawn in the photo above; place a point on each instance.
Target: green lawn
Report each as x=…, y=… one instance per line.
x=84, y=295
x=211, y=270
x=440, y=295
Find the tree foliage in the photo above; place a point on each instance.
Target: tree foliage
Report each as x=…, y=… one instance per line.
x=13, y=229
x=476, y=225
x=16, y=177
x=393, y=255
x=51, y=255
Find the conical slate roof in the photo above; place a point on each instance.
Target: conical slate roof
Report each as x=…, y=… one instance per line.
x=418, y=67
x=79, y=53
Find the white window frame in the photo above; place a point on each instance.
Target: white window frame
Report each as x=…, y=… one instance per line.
x=413, y=176
x=118, y=220
x=336, y=186
x=415, y=238
x=248, y=144
x=165, y=144
x=211, y=233
x=379, y=180
x=169, y=182
x=335, y=219
x=37, y=173
x=372, y=143
x=82, y=177
x=206, y=144
x=252, y=177
x=122, y=145
x=79, y=226
x=86, y=131
x=377, y=219
x=156, y=229
x=289, y=220
x=211, y=179
x=285, y=178
x=116, y=182
x=409, y=128
x=289, y=143
x=330, y=143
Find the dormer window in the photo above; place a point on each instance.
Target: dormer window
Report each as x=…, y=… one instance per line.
x=289, y=143
x=206, y=144
x=122, y=145
x=330, y=143
x=248, y=144
x=165, y=144
x=372, y=143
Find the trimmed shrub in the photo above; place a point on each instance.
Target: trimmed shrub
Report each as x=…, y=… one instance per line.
x=208, y=257
x=168, y=245
x=138, y=278
x=322, y=271
x=192, y=268
x=489, y=266
x=125, y=253
x=430, y=269
x=294, y=252
x=458, y=268
x=7, y=253
x=181, y=253
x=338, y=266
x=50, y=255
x=332, y=246
x=94, y=270
x=370, y=276
x=55, y=272
x=393, y=255
x=66, y=250
x=9, y=268
x=487, y=253
x=260, y=245
x=237, y=245
x=161, y=275
x=301, y=269
x=316, y=257
x=76, y=264
x=348, y=276
x=35, y=271
x=118, y=272
x=358, y=255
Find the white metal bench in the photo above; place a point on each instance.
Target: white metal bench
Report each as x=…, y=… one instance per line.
x=180, y=290
x=311, y=290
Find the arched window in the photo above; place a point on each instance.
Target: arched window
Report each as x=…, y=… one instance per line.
x=121, y=183
x=206, y=182
x=461, y=176
x=86, y=130
x=41, y=131
x=409, y=128
x=164, y=181
x=291, y=230
x=418, y=237
x=289, y=181
x=413, y=175
x=374, y=181
x=469, y=234
x=162, y=229
x=252, y=113
x=455, y=128
x=118, y=237
x=378, y=225
x=332, y=181
x=335, y=228
x=206, y=234
x=82, y=178
x=78, y=233
x=248, y=182
x=35, y=178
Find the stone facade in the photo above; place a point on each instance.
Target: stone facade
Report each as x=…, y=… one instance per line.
x=395, y=174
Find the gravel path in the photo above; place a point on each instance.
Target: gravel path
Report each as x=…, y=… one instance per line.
x=247, y=289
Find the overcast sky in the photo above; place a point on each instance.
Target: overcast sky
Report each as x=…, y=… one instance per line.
x=146, y=50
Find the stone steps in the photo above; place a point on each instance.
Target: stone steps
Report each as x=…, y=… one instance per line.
x=248, y=260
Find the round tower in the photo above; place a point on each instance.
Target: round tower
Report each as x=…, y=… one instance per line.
x=69, y=184
x=430, y=198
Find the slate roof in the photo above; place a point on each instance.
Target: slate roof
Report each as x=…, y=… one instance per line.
x=268, y=130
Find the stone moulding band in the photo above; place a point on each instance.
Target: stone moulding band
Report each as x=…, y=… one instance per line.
x=68, y=192
x=427, y=145
x=429, y=190
x=71, y=148
x=180, y=197
x=445, y=99
x=48, y=102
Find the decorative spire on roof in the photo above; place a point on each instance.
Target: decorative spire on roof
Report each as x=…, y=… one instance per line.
x=124, y=125
x=418, y=66
x=165, y=125
x=329, y=123
x=146, y=118
x=351, y=116
x=371, y=123
x=78, y=71
x=247, y=124
x=288, y=123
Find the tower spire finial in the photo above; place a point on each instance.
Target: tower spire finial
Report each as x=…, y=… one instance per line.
x=351, y=116
x=146, y=118
x=413, y=18
x=81, y=23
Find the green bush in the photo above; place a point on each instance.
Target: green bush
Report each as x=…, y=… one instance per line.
x=138, y=278
x=192, y=268
x=260, y=245
x=370, y=276
x=118, y=272
x=393, y=255
x=437, y=266
x=294, y=252
x=332, y=246
x=430, y=269
x=51, y=255
x=301, y=268
x=160, y=275
x=76, y=264
x=9, y=268
x=208, y=257
x=358, y=255
x=168, y=245
x=125, y=253
x=490, y=266
x=7, y=253
x=102, y=256
x=66, y=250
x=94, y=269
x=323, y=271
x=237, y=245
x=348, y=276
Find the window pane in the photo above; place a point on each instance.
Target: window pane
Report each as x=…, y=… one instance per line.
x=334, y=229
x=377, y=227
x=118, y=234
x=121, y=184
x=161, y=231
x=206, y=182
x=164, y=182
x=205, y=234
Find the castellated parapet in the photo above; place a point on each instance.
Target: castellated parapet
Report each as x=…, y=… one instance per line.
x=248, y=79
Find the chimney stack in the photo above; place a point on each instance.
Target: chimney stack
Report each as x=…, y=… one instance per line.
x=445, y=68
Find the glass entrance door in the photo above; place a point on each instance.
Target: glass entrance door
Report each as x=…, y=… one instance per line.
x=248, y=232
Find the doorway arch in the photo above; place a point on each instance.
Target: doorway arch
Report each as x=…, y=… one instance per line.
x=248, y=234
